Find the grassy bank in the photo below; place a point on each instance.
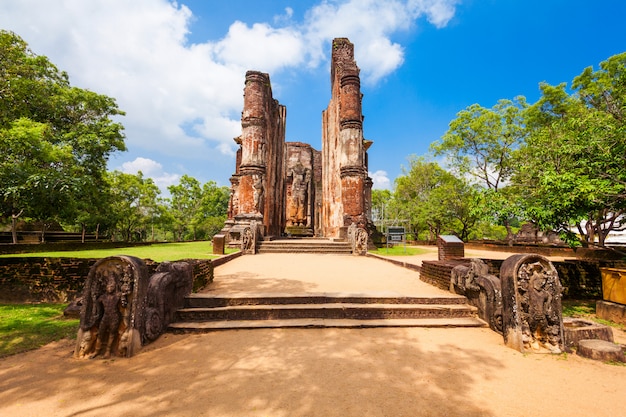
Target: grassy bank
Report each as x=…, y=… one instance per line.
x=401, y=250
x=29, y=326
x=158, y=252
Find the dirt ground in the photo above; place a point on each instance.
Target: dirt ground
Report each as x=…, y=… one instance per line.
x=313, y=372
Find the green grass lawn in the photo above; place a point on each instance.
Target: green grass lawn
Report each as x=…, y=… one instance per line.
x=586, y=309
x=29, y=326
x=158, y=252
x=400, y=250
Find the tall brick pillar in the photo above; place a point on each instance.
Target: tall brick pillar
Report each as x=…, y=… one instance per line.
x=345, y=181
x=257, y=187
x=252, y=182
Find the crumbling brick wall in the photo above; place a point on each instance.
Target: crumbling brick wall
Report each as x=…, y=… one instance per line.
x=60, y=280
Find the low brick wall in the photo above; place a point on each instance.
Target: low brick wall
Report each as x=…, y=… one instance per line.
x=548, y=250
x=581, y=279
x=437, y=273
x=34, y=280
x=42, y=279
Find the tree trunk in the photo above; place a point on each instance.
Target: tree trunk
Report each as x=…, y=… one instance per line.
x=43, y=232
x=97, y=231
x=14, y=218
x=82, y=238
x=509, y=233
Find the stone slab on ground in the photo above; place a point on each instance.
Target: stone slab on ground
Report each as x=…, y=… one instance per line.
x=600, y=350
x=207, y=326
x=614, y=312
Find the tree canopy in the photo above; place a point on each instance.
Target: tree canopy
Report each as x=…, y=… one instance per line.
x=58, y=138
x=572, y=166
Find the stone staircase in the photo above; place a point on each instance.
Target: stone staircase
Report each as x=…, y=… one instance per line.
x=304, y=245
x=205, y=312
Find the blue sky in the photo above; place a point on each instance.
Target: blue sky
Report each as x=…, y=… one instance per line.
x=177, y=69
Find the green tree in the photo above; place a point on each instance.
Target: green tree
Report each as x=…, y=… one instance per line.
x=134, y=204
x=185, y=203
x=57, y=138
x=434, y=200
x=480, y=143
x=572, y=165
x=213, y=208
x=197, y=211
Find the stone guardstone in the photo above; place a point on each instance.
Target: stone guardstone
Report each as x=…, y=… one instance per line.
x=532, y=319
x=112, y=315
x=601, y=350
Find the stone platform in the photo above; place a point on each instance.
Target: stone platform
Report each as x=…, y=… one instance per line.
x=320, y=290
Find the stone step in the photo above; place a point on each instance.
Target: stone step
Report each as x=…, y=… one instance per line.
x=326, y=311
x=208, y=326
x=306, y=245
x=200, y=300
x=296, y=249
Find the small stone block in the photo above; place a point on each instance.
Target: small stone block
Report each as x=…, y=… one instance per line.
x=600, y=350
x=611, y=311
x=218, y=244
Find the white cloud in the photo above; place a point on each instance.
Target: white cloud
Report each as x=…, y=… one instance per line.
x=261, y=47
x=151, y=169
x=369, y=24
x=380, y=179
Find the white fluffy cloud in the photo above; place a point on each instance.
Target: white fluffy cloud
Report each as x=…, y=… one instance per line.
x=183, y=99
x=380, y=179
x=151, y=169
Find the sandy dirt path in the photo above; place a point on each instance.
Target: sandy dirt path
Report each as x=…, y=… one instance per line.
x=324, y=372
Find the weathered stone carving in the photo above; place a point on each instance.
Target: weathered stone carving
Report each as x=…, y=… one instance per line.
x=358, y=238
x=463, y=277
x=259, y=193
x=123, y=308
x=531, y=299
x=112, y=310
x=249, y=238
x=297, y=205
x=166, y=292
x=481, y=289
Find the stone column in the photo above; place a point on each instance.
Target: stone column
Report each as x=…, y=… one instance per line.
x=254, y=132
x=352, y=166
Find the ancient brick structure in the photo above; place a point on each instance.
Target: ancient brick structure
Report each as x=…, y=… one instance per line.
x=258, y=180
x=288, y=188
x=345, y=184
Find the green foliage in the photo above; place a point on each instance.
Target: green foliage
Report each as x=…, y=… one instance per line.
x=572, y=165
x=133, y=204
x=399, y=250
x=56, y=138
x=29, y=326
x=480, y=143
x=197, y=212
x=433, y=200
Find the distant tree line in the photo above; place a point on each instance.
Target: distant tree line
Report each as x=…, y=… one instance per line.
x=56, y=140
x=559, y=163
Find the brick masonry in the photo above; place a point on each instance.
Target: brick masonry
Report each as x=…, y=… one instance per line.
x=34, y=280
x=580, y=278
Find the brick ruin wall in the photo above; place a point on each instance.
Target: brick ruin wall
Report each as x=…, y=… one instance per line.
x=60, y=280
x=345, y=181
x=259, y=168
x=580, y=278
